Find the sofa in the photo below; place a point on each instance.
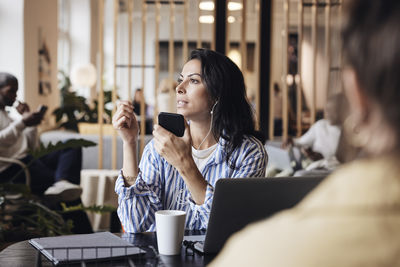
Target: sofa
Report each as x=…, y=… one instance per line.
x=90, y=154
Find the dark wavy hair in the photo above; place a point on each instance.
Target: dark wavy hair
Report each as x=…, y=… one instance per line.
x=371, y=46
x=233, y=116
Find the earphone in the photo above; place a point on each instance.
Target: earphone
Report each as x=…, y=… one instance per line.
x=212, y=110
x=209, y=131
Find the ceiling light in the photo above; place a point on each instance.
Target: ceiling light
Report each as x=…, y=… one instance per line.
x=231, y=19
x=233, y=6
x=206, y=19
x=206, y=5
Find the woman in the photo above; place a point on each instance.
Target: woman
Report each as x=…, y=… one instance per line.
x=180, y=173
x=353, y=217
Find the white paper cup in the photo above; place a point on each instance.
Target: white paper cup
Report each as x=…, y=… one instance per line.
x=170, y=225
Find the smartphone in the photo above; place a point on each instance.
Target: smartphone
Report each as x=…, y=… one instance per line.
x=42, y=109
x=172, y=122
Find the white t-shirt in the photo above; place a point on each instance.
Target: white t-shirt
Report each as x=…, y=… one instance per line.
x=202, y=156
x=322, y=137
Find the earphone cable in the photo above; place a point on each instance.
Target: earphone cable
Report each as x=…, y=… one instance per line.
x=209, y=131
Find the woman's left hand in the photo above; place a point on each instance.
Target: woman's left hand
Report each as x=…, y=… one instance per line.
x=176, y=150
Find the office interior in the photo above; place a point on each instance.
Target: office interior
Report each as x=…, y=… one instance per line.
x=104, y=50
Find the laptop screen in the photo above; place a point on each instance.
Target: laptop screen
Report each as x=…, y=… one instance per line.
x=240, y=201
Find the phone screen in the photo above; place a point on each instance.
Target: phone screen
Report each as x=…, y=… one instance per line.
x=172, y=122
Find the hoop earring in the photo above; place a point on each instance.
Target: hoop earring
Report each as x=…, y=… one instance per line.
x=356, y=136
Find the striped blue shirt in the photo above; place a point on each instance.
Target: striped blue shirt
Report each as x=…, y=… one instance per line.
x=159, y=186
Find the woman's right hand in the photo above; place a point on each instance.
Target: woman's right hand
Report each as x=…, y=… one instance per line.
x=124, y=121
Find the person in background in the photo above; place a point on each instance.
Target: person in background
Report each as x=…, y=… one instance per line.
x=137, y=102
x=319, y=144
x=179, y=173
x=277, y=110
x=352, y=218
x=166, y=99
x=55, y=175
x=138, y=97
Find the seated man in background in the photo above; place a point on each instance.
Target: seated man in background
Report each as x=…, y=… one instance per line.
x=55, y=175
x=319, y=144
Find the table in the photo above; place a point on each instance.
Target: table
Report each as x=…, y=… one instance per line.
x=23, y=254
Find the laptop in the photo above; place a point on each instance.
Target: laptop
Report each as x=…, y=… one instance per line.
x=240, y=201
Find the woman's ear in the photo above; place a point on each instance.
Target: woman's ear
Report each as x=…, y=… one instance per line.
x=358, y=100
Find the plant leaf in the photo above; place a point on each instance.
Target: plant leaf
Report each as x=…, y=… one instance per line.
x=92, y=208
x=71, y=143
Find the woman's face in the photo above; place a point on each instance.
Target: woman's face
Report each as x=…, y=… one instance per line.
x=192, y=98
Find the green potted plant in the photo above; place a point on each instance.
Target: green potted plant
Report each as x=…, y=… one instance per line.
x=74, y=109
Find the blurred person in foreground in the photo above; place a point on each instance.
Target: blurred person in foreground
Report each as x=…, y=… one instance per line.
x=353, y=217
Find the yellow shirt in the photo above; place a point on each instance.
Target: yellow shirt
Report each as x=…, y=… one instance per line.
x=351, y=219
